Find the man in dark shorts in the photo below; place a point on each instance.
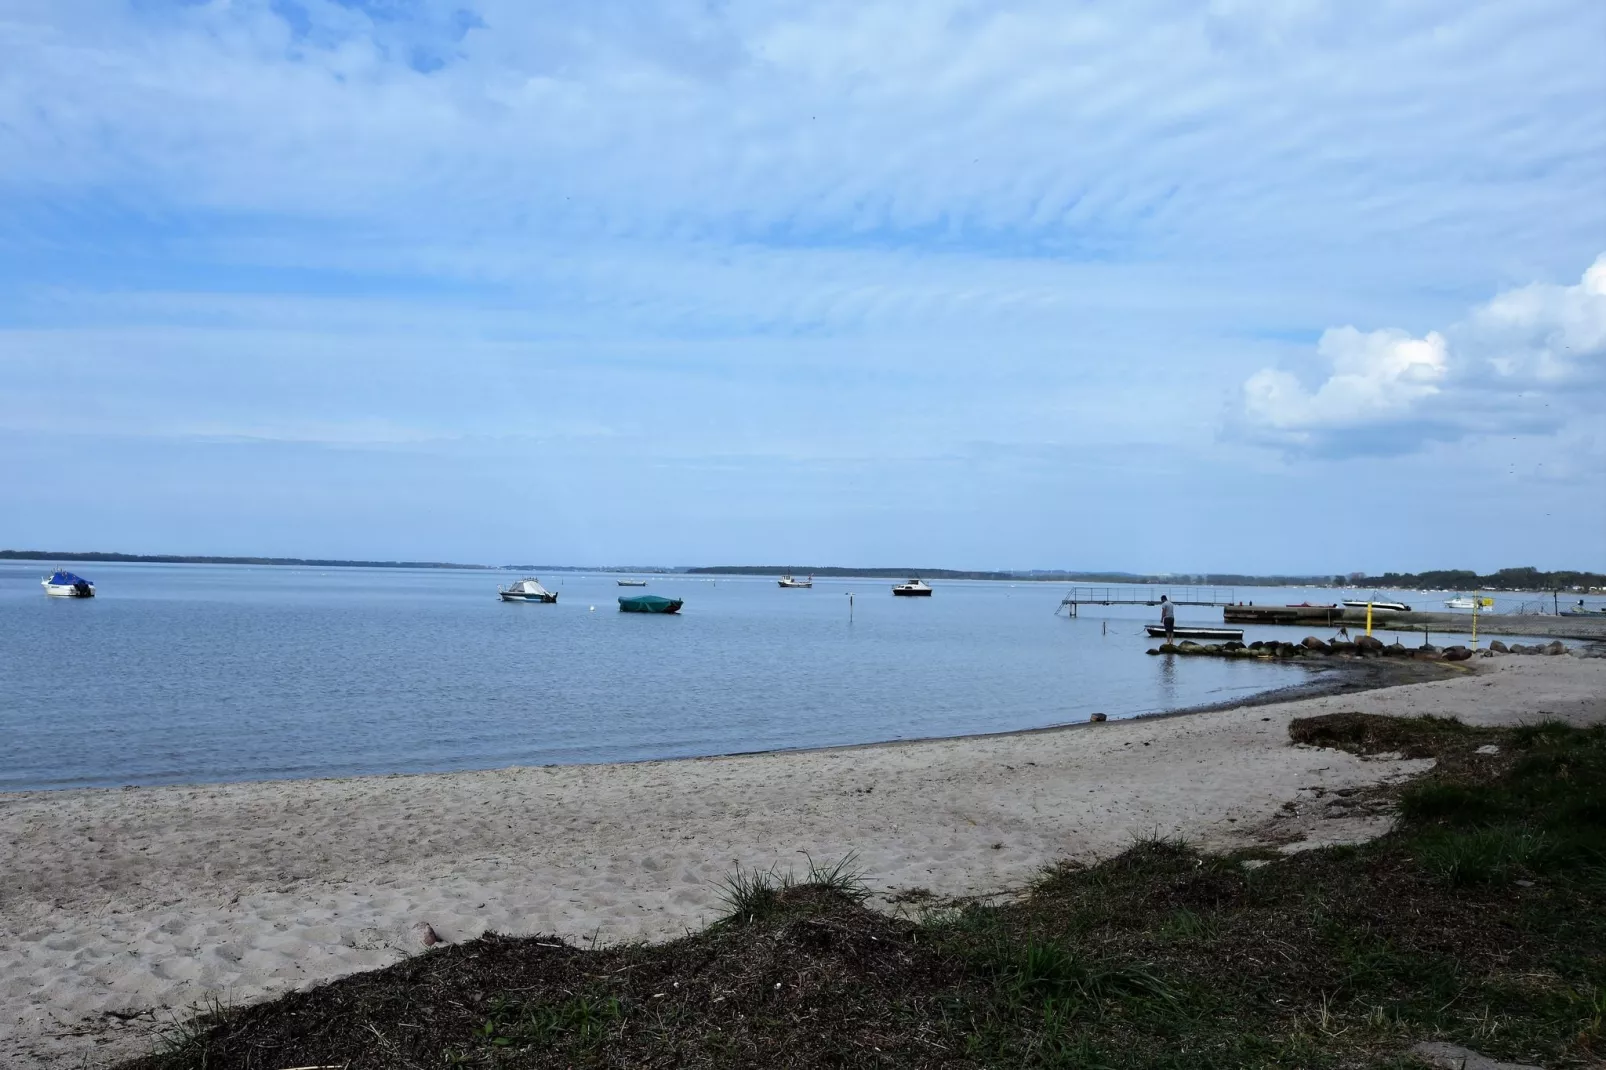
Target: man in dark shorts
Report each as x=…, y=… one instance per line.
x=1168, y=617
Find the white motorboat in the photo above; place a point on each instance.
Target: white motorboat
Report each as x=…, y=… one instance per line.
x=528, y=589
x=1463, y=601
x=913, y=588
x=788, y=581
x=1377, y=605
x=61, y=584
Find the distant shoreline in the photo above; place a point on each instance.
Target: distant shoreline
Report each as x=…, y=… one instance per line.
x=185, y=559
x=1573, y=582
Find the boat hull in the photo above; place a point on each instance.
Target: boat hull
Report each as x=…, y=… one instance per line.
x=546, y=598
x=912, y=594
x=1380, y=607
x=793, y=583
x=67, y=590
x=1157, y=631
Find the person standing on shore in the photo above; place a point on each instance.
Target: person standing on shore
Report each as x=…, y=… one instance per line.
x=1168, y=617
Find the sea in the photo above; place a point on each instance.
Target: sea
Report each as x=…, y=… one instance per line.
x=217, y=673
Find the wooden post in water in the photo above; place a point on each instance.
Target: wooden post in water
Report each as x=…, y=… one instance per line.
x=850, y=607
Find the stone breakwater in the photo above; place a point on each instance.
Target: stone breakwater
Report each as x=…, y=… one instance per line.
x=1365, y=646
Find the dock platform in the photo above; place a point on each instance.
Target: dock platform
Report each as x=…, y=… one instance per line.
x=1143, y=594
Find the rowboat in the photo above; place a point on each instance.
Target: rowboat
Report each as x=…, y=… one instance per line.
x=913, y=588
x=632, y=583
x=65, y=585
x=528, y=589
x=649, y=603
x=1157, y=631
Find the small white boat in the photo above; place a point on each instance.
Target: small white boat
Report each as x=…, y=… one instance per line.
x=1378, y=605
x=788, y=581
x=632, y=583
x=61, y=584
x=913, y=588
x=528, y=589
x=1464, y=601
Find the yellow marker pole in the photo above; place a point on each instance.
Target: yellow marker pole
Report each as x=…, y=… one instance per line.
x=1477, y=600
x=1368, y=618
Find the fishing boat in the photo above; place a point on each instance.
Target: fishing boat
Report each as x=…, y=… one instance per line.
x=788, y=581
x=1157, y=631
x=913, y=588
x=632, y=583
x=528, y=589
x=66, y=585
x=649, y=603
x=1377, y=605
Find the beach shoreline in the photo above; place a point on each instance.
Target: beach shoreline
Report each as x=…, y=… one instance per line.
x=121, y=908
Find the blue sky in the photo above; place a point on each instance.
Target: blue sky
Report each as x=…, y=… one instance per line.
x=1234, y=285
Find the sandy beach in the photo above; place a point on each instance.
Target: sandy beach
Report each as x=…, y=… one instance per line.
x=121, y=909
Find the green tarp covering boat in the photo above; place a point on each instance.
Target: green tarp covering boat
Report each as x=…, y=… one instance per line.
x=649, y=603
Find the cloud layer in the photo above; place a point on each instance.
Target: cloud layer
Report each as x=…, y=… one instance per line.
x=904, y=255
x=1529, y=360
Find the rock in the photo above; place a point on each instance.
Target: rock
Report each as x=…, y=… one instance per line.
x=1458, y=653
x=1556, y=647
x=1397, y=649
x=1428, y=655
x=1429, y=648
x=1168, y=648
x=1487, y=654
x=1289, y=650
x=1257, y=645
x=1232, y=645
x=1368, y=642
x=1341, y=646
x=1518, y=648
x=1154, y=650
x=1455, y=1057
x=427, y=934
x=1097, y=718
x=1498, y=647
x=1487, y=748
x=1314, y=644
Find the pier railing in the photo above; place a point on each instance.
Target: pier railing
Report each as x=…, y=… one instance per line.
x=1145, y=594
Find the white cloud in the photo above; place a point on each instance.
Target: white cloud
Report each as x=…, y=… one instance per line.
x=1530, y=358
x=1376, y=376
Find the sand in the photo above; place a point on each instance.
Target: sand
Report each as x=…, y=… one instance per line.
x=119, y=910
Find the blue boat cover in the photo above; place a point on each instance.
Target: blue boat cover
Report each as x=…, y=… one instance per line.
x=65, y=579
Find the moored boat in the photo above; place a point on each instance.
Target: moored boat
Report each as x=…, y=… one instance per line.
x=1157, y=631
x=632, y=583
x=60, y=584
x=912, y=588
x=528, y=589
x=1377, y=605
x=788, y=581
x=1465, y=601
x=649, y=603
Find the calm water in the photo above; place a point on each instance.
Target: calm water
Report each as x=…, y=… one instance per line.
x=193, y=673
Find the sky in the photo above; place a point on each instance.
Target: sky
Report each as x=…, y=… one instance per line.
x=1259, y=286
